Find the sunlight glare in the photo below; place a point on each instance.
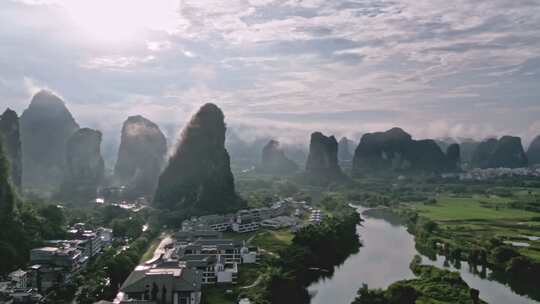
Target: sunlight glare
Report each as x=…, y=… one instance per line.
x=117, y=21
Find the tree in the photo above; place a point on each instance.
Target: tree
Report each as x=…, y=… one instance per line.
x=370, y=296
x=401, y=294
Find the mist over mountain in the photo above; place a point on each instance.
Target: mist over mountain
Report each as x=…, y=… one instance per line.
x=141, y=156
x=46, y=126
x=274, y=160
x=533, y=152
x=345, y=149
x=85, y=167
x=10, y=136
x=198, y=177
x=322, y=163
x=244, y=153
x=445, y=142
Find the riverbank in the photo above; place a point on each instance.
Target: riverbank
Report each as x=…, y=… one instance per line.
x=483, y=231
x=384, y=260
x=314, y=252
x=431, y=285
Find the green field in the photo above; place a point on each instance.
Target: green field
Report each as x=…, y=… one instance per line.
x=475, y=219
x=218, y=295
x=473, y=208
x=273, y=240
x=248, y=274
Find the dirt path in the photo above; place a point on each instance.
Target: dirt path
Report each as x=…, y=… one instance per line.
x=257, y=281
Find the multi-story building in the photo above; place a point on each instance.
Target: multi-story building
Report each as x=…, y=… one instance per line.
x=214, y=222
x=67, y=258
x=214, y=269
x=106, y=235
x=230, y=250
x=53, y=266
x=247, y=220
x=91, y=243
x=189, y=243
x=279, y=222
x=245, y=226
x=162, y=284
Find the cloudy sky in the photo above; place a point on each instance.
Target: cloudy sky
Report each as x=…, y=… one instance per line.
x=437, y=68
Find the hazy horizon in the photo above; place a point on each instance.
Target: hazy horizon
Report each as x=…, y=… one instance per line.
x=281, y=68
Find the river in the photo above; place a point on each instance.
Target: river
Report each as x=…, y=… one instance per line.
x=384, y=259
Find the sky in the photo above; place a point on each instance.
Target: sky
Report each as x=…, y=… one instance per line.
x=283, y=68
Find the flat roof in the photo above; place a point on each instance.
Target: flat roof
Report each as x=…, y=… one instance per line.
x=50, y=249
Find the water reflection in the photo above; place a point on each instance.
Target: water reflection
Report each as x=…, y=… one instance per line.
x=384, y=259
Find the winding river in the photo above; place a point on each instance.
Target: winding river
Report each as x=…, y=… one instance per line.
x=384, y=259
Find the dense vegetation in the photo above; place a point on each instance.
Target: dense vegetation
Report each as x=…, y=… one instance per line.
x=432, y=285
x=22, y=225
x=102, y=279
x=198, y=178
x=141, y=157
x=314, y=252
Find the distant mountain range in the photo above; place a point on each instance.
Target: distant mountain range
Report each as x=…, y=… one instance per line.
x=46, y=147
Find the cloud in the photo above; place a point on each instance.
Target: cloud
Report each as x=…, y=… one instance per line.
x=117, y=62
x=158, y=45
x=437, y=68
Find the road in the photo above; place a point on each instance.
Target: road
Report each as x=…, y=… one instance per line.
x=166, y=240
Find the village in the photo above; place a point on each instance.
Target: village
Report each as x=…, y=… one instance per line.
x=199, y=255
x=202, y=253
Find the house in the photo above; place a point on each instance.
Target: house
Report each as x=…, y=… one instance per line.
x=246, y=226
x=229, y=249
x=156, y=284
x=53, y=266
x=212, y=243
x=279, y=222
x=106, y=235
x=91, y=243
x=214, y=222
x=215, y=269
x=249, y=255
x=67, y=257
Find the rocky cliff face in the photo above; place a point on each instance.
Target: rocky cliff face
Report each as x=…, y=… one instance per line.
x=481, y=157
x=509, y=153
x=198, y=178
x=533, y=153
x=322, y=160
x=344, y=149
x=141, y=156
x=10, y=136
x=46, y=126
x=506, y=152
x=395, y=150
x=7, y=196
x=468, y=147
x=453, y=155
x=85, y=167
x=274, y=160
x=11, y=240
